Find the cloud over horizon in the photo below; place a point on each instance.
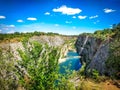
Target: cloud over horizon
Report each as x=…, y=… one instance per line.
x=19, y=20
x=2, y=17
x=10, y=32
x=56, y=25
x=11, y=26
x=67, y=10
x=62, y=16
x=107, y=10
x=47, y=13
x=96, y=22
x=82, y=17
x=7, y=28
x=92, y=17
x=68, y=22
x=31, y=18
x=74, y=17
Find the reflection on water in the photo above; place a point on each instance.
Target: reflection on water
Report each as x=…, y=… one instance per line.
x=70, y=63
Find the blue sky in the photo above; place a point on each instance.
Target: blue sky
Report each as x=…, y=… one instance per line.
x=60, y=16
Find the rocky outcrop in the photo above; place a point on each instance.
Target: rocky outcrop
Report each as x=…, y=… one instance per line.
x=50, y=40
x=93, y=52
x=12, y=47
x=56, y=41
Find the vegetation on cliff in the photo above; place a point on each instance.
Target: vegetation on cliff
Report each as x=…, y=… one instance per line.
x=41, y=64
x=17, y=36
x=38, y=68
x=112, y=36
x=113, y=62
x=7, y=71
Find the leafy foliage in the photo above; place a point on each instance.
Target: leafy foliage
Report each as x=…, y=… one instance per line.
x=113, y=62
x=7, y=71
x=17, y=36
x=113, y=35
x=95, y=74
x=41, y=63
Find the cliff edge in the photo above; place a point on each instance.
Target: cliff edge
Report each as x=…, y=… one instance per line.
x=94, y=52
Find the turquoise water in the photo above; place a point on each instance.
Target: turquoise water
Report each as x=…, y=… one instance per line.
x=71, y=63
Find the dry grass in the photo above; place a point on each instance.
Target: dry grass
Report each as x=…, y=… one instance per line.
x=89, y=84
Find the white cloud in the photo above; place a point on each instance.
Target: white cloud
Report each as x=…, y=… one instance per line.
x=107, y=10
x=32, y=19
x=68, y=22
x=7, y=28
x=0, y=30
x=47, y=13
x=19, y=20
x=74, y=27
x=12, y=31
x=96, y=22
x=111, y=26
x=67, y=10
x=82, y=17
x=93, y=17
x=11, y=26
x=3, y=26
x=2, y=17
x=56, y=25
x=74, y=17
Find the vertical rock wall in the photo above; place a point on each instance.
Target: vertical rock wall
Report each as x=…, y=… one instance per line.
x=94, y=53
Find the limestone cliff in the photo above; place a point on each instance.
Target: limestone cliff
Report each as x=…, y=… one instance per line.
x=93, y=52
x=12, y=47
x=50, y=40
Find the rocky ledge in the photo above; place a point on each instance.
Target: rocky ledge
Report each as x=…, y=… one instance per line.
x=94, y=52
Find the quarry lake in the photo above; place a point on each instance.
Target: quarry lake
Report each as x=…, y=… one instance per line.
x=71, y=63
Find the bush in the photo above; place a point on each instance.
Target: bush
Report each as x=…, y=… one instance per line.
x=95, y=74
x=8, y=79
x=41, y=64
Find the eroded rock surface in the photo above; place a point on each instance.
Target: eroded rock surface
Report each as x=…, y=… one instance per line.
x=94, y=52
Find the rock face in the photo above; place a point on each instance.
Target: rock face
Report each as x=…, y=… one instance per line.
x=50, y=40
x=94, y=53
x=12, y=47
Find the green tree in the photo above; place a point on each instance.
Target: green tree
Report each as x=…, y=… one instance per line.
x=41, y=63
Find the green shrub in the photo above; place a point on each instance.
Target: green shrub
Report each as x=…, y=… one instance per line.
x=95, y=74
x=41, y=63
x=8, y=79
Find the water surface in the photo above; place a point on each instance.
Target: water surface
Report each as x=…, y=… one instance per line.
x=71, y=63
